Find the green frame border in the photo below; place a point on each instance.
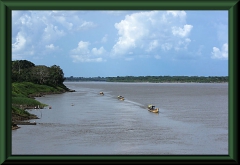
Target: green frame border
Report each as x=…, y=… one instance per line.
x=6, y=6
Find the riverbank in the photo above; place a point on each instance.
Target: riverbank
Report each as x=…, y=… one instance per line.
x=23, y=97
x=153, y=79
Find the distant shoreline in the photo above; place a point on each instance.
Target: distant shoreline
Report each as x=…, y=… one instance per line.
x=152, y=79
x=155, y=82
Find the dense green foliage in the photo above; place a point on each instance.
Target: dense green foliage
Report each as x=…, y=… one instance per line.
x=23, y=70
x=162, y=79
x=154, y=79
x=85, y=78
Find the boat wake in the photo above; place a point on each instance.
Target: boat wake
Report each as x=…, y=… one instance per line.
x=135, y=103
x=132, y=102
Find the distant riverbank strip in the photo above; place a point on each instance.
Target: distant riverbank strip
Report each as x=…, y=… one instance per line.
x=154, y=79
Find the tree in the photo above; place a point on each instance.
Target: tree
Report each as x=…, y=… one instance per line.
x=20, y=69
x=56, y=74
x=40, y=74
x=19, y=65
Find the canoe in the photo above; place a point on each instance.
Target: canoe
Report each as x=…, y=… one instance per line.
x=120, y=98
x=154, y=110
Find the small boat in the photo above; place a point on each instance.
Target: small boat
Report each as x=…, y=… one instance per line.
x=120, y=98
x=101, y=93
x=154, y=110
x=151, y=108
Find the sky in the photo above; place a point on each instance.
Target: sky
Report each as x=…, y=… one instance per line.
x=123, y=43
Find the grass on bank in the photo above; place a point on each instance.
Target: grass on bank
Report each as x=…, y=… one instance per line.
x=26, y=102
x=20, y=112
x=26, y=89
x=23, y=94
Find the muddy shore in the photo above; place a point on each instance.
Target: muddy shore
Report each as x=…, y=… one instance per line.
x=16, y=118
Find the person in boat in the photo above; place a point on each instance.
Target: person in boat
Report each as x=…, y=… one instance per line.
x=120, y=97
x=151, y=107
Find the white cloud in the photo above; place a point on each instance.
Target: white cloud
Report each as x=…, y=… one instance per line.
x=86, y=25
x=182, y=32
x=20, y=47
x=220, y=54
x=64, y=22
x=51, y=47
x=33, y=31
x=99, y=51
x=82, y=48
x=152, y=31
x=19, y=43
x=182, y=44
x=72, y=20
x=153, y=44
x=26, y=20
x=52, y=32
x=177, y=13
x=38, y=33
x=83, y=54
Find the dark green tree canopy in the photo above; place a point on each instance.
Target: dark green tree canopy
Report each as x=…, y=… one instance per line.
x=21, y=64
x=23, y=70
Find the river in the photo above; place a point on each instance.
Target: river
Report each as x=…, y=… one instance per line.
x=192, y=120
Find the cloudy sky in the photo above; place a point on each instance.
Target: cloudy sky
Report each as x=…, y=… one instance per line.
x=124, y=43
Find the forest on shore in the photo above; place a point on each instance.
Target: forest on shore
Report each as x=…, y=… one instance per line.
x=154, y=79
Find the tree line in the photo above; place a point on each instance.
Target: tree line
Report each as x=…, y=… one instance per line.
x=154, y=79
x=26, y=71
